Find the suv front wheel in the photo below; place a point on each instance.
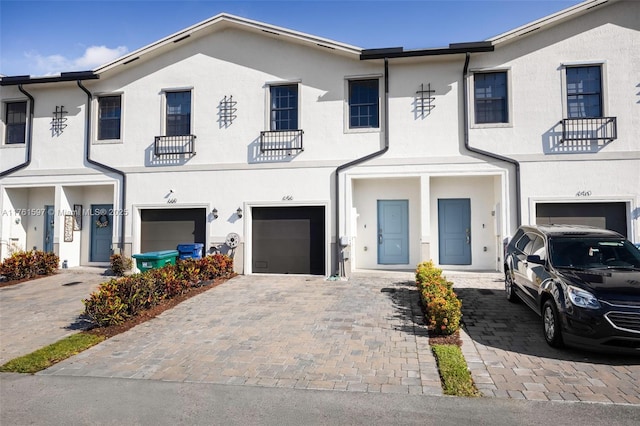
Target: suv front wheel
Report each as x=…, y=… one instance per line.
x=551, y=324
x=508, y=287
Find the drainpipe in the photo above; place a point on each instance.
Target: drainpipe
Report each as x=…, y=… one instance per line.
x=123, y=192
x=362, y=160
x=465, y=112
x=29, y=136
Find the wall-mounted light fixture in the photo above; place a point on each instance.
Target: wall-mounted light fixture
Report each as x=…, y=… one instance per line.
x=239, y=212
x=214, y=213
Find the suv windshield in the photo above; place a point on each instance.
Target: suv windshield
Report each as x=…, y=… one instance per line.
x=589, y=253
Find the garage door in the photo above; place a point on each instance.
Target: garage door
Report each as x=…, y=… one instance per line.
x=288, y=240
x=164, y=229
x=602, y=215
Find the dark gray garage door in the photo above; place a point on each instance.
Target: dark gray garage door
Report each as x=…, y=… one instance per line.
x=164, y=229
x=288, y=240
x=602, y=215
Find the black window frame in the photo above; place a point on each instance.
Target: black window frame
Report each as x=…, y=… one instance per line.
x=15, y=131
x=582, y=95
x=284, y=113
x=364, y=107
x=109, y=117
x=178, y=123
x=490, y=105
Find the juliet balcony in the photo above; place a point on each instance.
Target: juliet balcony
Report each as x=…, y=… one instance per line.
x=603, y=129
x=289, y=141
x=174, y=145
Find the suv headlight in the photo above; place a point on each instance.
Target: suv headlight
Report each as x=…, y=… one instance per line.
x=582, y=298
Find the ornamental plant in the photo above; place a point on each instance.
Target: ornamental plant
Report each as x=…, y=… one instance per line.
x=119, y=299
x=29, y=264
x=120, y=264
x=442, y=306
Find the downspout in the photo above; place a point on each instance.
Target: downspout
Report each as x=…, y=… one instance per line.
x=123, y=192
x=29, y=135
x=362, y=160
x=465, y=112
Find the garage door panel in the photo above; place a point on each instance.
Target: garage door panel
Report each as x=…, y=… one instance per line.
x=164, y=229
x=288, y=240
x=601, y=215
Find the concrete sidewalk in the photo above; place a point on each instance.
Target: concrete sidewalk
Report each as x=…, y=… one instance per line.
x=39, y=312
x=361, y=335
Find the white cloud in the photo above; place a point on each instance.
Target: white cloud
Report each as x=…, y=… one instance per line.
x=93, y=56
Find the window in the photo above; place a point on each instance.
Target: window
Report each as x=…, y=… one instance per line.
x=584, y=91
x=109, y=115
x=16, y=122
x=363, y=104
x=490, y=96
x=284, y=107
x=178, y=113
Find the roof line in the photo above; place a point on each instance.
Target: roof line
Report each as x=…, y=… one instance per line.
x=65, y=76
x=224, y=17
x=453, y=49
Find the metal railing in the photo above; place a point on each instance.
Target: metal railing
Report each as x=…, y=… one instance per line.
x=595, y=128
x=174, y=145
x=281, y=140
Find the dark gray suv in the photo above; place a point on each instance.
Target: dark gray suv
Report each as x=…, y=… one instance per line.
x=583, y=281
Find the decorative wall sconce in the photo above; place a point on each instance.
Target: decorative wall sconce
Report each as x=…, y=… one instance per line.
x=239, y=212
x=214, y=213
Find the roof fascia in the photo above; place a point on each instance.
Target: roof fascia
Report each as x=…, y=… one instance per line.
x=453, y=49
x=233, y=20
x=549, y=20
x=65, y=76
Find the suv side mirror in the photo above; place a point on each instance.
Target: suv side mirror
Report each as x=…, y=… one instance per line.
x=534, y=258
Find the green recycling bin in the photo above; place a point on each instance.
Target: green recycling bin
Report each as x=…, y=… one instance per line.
x=155, y=259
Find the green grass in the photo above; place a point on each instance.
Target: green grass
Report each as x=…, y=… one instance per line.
x=49, y=355
x=455, y=376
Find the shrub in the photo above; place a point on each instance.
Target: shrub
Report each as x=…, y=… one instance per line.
x=443, y=308
x=29, y=264
x=119, y=299
x=120, y=264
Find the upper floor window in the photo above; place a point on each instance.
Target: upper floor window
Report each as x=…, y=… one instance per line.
x=584, y=91
x=364, y=110
x=109, y=117
x=490, y=97
x=15, y=122
x=178, y=113
x=284, y=107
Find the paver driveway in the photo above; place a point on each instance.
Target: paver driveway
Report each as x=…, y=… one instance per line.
x=39, y=312
x=285, y=331
x=509, y=357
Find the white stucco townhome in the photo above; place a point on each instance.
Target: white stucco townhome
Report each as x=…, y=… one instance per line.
x=325, y=158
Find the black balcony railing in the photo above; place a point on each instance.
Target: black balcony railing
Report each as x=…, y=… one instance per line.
x=281, y=140
x=174, y=145
x=589, y=129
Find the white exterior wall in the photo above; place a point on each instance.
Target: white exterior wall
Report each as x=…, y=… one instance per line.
x=426, y=159
x=552, y=171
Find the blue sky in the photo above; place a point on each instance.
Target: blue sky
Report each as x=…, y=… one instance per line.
x=48, y=37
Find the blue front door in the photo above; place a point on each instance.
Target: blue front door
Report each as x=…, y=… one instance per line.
x=454, y=231
x=393, y=232
x=101, y=232
x=48, y=228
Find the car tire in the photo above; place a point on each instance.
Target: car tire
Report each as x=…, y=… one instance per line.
x=508, y=287
x=551, y=326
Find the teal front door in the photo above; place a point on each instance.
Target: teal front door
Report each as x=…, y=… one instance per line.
x=48, y=229
x=101, y=232
x=454, y=231
x=393, y=232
